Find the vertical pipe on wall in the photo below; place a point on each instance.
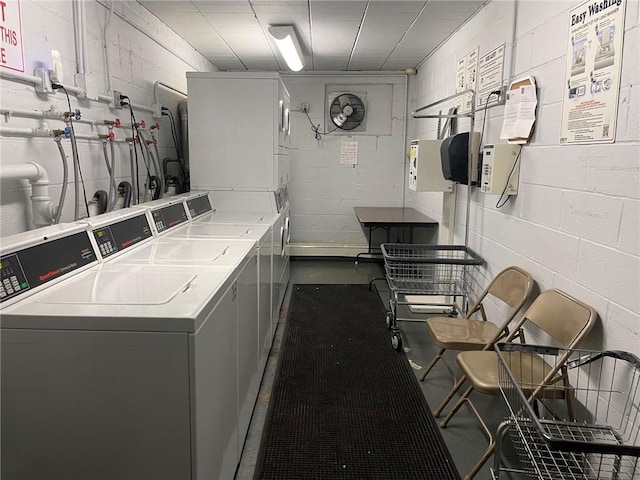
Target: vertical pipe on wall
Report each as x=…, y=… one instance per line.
x=105, y=47
x=77, y=19
x=405, y=163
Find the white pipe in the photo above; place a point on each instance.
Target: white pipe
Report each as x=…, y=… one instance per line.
x=105, y=46
x=83, y=33
x=168, y=87
x=77, y=27
x=17, y=131
x=22, y=77
x=142, y=108
x=51, y=114
x=43, y=209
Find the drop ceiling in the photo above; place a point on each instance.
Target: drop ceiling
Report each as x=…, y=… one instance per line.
x=335, y=35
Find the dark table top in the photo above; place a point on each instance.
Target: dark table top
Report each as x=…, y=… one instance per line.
x=389, y=216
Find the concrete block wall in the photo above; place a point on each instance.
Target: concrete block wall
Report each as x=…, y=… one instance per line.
x=322, y=191
x=575, y=223
x=141, y=51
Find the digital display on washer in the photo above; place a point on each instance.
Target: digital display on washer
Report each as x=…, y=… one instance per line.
x=37, y=265
x=169, y=217
x=199, y=206
x=121, y=235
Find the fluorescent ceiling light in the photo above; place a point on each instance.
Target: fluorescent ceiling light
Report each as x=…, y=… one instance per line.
x=287, y=43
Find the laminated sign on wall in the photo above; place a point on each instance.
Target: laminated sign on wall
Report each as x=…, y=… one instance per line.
x=594, y=61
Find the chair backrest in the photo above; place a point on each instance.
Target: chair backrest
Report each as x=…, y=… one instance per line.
x=513, y=286
x=564, y=318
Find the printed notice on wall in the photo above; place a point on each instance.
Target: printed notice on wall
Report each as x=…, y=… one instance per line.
x=11, y=51
x=466, y=73
x=594, y=54
x=349, y=152
x=490, y=74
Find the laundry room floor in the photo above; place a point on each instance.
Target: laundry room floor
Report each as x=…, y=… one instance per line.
x=463, y=435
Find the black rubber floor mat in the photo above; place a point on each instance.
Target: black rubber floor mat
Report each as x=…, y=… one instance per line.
x=345, y=405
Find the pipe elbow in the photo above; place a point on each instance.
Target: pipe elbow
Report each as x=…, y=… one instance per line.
x=41, y=178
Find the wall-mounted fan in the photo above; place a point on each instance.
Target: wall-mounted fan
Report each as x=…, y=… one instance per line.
x=347, y=111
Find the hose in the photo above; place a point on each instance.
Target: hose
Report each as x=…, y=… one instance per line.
x=155, y=161
x=112, y=181
x=134, y=187
x=76, y=173
x=65, y=179
x=159, y=170
x=124, y=190
x=112, y=148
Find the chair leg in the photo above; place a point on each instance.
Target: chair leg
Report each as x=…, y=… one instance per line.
x=432, y=364
x=456, y=407
x=452, y=392
x=491, y=439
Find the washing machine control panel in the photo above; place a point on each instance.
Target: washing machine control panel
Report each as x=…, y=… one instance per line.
x=121, y=235
x=199, y=206
x=31, y=267
x=168, y=217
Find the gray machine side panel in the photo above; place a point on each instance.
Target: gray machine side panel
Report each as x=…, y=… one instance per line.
x=95, y=405
x=264, y=298
x=248, y=346
x=215, y=403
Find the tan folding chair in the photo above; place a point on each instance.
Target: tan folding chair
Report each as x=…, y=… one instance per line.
x=565, y=319
x=512, y=286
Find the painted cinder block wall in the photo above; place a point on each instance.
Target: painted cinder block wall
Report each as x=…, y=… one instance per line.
x=575, y=223
x=141, y=51
x=322, y=191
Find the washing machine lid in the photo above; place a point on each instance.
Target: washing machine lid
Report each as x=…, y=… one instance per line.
x=239, y=218
x=125, y=298
x=193, y=253
x=121, y=288
x=220, y=230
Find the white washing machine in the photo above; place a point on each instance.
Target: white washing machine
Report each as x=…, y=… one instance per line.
x=128, y=369
x=271, y=207
x=254, y=339
x=241, y=255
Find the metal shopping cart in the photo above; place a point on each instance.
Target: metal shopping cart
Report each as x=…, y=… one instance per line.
x=576, y=417
x=430, y=270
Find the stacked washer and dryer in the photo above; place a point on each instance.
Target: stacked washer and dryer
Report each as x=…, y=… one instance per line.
x=239, y=148
x=127, y=352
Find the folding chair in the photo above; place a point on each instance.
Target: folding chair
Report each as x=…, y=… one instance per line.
x=513, y=286
x=565, y=319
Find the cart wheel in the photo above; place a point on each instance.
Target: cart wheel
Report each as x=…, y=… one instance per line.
x=396, y=342
x=389, y=320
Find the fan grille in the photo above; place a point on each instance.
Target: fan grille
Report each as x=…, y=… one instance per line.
x=347, y=111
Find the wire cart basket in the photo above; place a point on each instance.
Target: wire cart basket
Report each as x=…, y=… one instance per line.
x=417, y=269
x=570, y=414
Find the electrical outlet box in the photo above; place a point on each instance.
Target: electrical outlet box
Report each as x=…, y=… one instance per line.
x=44, y=86
x=425, y=167
x=500, y=169
x=116, y=99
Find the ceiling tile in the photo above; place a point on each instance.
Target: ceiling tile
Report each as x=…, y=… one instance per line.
x=222, y=6
x=193, y=22
x=161, y=7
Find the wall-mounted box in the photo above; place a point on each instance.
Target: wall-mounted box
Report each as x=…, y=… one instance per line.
x=500, y=169
x=454, y=154
x=425, y=167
